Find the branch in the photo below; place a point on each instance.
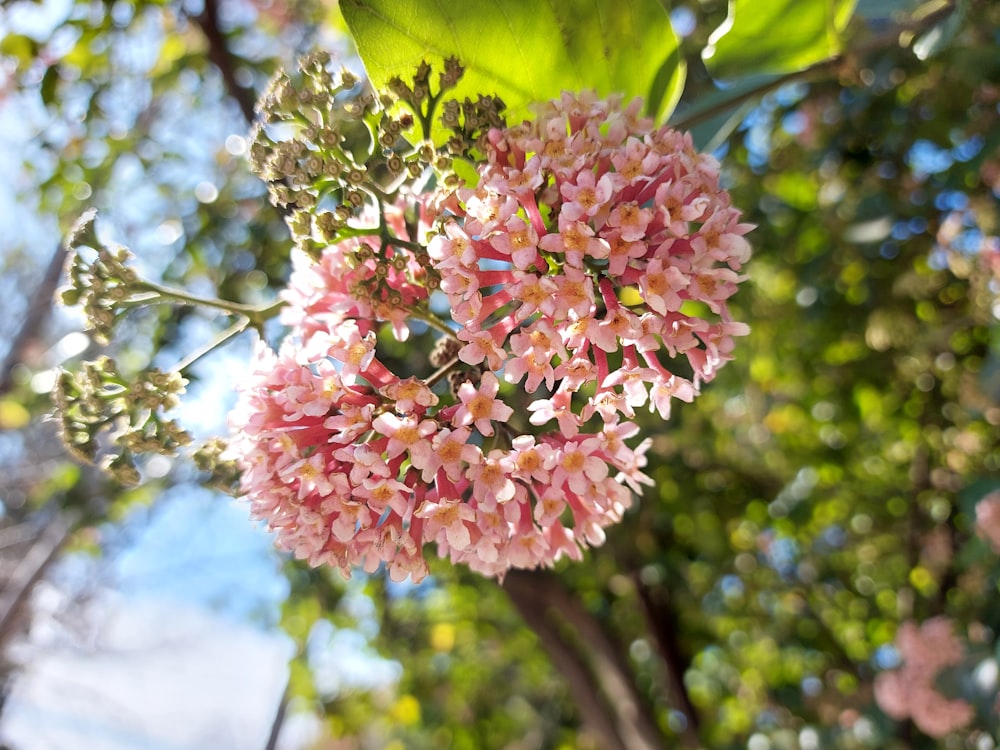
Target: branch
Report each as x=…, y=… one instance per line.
x=580, y=682
x=279, y=720
x=597, y=676
x=223, y=59
x=901, y=34
x=662, y=622
x=31, y=568
x=39, y=309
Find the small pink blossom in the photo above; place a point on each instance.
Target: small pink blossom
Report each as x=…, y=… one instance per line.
x=630, y=220
x=480, y=406
x=491, y=482
x=452, y=453
x=410, y=394
x=406, y=434
x=559, y=408
x=452, y=518
x=577, y=465
x=518, y=240
x=482, y=346
x=661, y=286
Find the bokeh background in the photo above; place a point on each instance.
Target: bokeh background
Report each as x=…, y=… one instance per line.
x=819, y=493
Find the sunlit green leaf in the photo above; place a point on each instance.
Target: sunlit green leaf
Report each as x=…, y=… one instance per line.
x=776, y=36
x=712, y=117
x=49, y=81
x=524, y=51
x=940, y=36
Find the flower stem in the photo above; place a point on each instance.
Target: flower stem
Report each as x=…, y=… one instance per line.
x=441, y=372
x=421, y=313
x=234, y=330
x=255, y=314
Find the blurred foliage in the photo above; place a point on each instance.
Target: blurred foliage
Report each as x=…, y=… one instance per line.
x=819, y=492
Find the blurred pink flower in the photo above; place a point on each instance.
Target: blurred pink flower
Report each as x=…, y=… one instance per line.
x=988, y=519
x=909, y=692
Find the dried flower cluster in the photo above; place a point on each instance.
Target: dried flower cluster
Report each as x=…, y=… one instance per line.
x=594, y=250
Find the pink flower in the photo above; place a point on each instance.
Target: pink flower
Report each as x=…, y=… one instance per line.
x=587, y=196
x=482, y=346
x=480, y=406
x=575, y=240
x=410, y=394
x=491, y=482
x=559, y=408
x=988, y=519
x=532, y=461
x=452, y=453
x=518, y=240
x=406, y=434
x=661, y=286
x=910, y=691
x=452, y=518
x=577, y=465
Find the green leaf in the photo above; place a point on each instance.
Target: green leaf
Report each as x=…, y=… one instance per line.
x=712, y=117
x=49, y=81
x=940, y=36
x=776, y=36
x=525, y=51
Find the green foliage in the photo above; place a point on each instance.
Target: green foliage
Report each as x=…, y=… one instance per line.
x=532, y=51
x=778, y=36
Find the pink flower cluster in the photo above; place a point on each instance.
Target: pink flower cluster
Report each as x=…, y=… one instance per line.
x=593, y=246
x=988, y=519
x=352, y=282
x=909, y=692
x=592, y=234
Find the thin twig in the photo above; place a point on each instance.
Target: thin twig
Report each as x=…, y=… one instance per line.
x=234, y=330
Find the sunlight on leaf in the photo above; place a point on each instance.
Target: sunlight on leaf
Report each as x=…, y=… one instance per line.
x=776, y=36
x=523, y=51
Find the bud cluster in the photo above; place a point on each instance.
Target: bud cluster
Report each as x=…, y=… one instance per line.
x=331, y=150
x=101, y=284
x=223, y=473
x=97, y=401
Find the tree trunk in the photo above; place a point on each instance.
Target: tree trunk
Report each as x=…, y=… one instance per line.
x=597, y=676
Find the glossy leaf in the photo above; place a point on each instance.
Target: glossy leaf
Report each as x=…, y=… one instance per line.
x=776, y=36
x=712, y=117
x=49, y=82
x=524, y=51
